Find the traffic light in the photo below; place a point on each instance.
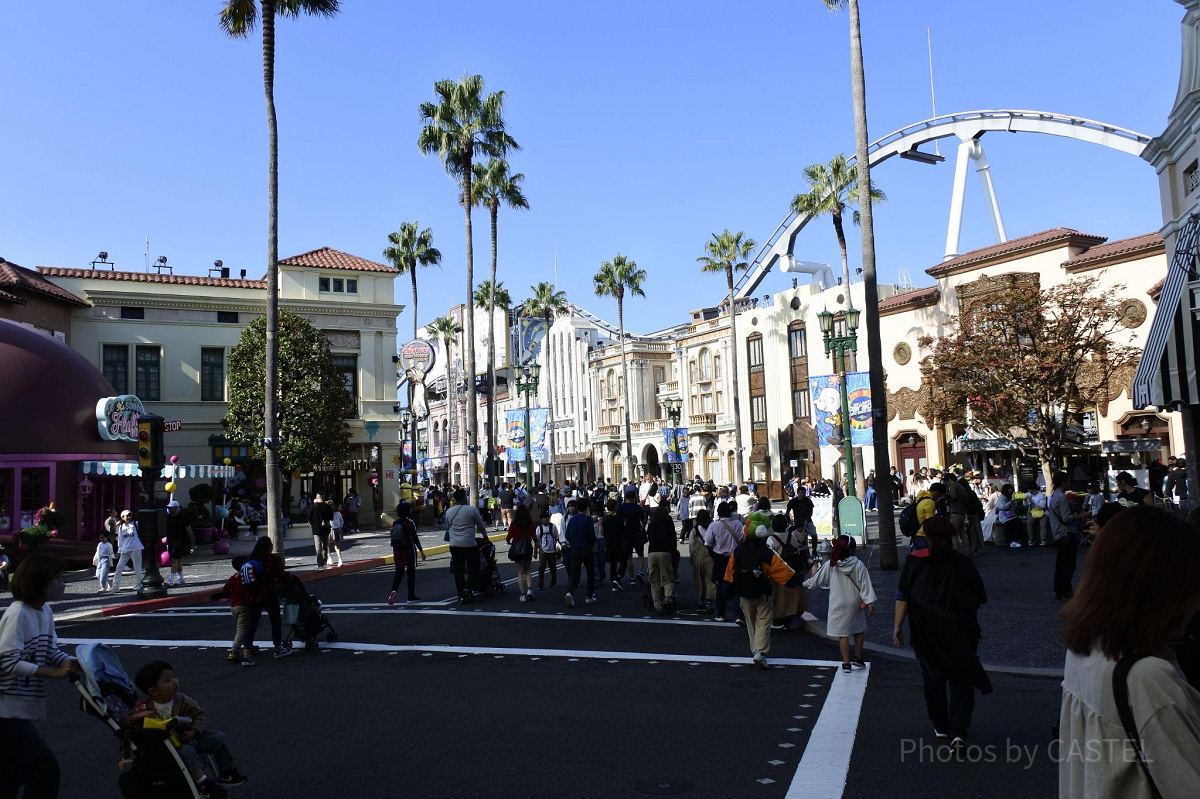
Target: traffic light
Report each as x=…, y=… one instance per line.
x=150, y=442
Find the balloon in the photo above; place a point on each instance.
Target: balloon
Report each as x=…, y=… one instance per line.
x=174, y=459
x=225, y=490
x=221, y=547
x=170, y=488
x=164, y=539
x=164, y=558
x=227, y=461
x=241, y=491
x=222, y=513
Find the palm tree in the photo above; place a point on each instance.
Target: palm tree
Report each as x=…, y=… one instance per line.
x=547, y=302
x=464, y=123
x=832, y=190
x=727, y=253
x=409, y=250
x=237, y=20
x=888, y=558
x=488, y=300
x=446, y=329
x=615, y=278
x=494, y=186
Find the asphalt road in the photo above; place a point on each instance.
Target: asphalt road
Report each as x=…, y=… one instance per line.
x=536, y=699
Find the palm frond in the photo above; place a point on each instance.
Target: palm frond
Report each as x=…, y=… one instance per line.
x=238, y=18
x=315, y=8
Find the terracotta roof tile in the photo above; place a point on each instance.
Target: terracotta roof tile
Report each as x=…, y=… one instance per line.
x=1035, y=241
x=329, y=258
x=910, y=299
x=13, y=276
x=1115, y=251
x=1156, y=289
x=151, y=277
x=13, y=298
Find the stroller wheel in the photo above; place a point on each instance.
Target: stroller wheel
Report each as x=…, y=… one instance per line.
x=311, y=646
x=331, y=636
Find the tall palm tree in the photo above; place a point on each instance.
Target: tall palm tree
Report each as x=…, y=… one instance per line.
x=446, y=329
x=489, y=301
x=494, y=186
x=728, y=253
x=409, y=249
x=237, y=20
x=547, y=302
x=888, y=558
x=616, y=278
x=832, y=191
x=462, y=124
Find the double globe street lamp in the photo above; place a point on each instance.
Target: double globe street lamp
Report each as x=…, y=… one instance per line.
x=527, y=384
x=674, y=405
x=839, y=342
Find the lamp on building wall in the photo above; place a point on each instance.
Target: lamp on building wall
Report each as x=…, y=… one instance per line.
x=85, y=488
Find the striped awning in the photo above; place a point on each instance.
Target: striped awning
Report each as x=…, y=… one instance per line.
x=199, y=471
x=1166, y=375
x=110, y=468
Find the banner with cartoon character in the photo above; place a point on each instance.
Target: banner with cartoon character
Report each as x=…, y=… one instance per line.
x=516, y=436
x=538, y=419
x=527, y=336
x=827, y=409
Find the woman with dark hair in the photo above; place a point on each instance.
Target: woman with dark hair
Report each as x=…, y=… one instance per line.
x=264, y=595
x=702, y=560
x=405, y=543
x=1123, y=694
x=660, y=535
x=940, y=593
x=521, y=540
x=29, y=655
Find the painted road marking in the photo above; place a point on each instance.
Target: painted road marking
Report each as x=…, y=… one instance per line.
x=365, y=610
x=826, y=761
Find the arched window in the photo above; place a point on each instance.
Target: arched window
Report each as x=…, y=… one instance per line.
x=611, y=381
x=705, y=364
x=437, y=441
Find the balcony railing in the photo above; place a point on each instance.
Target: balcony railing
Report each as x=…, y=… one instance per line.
x=648, y=426
x=608, y=431
x=702, y=420
x=669, y=387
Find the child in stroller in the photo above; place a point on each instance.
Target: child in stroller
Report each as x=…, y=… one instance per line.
x=152, y=764
x=489, y=583
x=302, y=611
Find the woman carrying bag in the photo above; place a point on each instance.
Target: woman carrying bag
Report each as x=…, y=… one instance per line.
x=521, y=539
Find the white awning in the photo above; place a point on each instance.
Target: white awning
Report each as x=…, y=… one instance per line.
x=110, y=468
x=199, y=471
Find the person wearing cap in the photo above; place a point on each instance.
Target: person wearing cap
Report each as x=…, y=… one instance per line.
x=180, y=541
x=129, y=548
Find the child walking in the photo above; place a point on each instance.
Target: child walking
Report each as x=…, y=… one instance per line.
x=160, y=684
x=245, y=618
x=851, y=598
x=103, y=561
x=336, y=532
x=548, y=544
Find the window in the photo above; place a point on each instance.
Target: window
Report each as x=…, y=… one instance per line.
x=1191, y=178
x=705, y=365
x=659, y=376
x=347, y=365
x=149, y=362
x=801, y=404
x=692, y=371
x=227, y=317
x=717, y=368
x=758, y=412
x=35, y=492
x=133, y=313
x=754, y=348
x=339, y=285
x=212, y=374
x=351, y=286
x=797, y=342
x=115, y=365
x=323, y=284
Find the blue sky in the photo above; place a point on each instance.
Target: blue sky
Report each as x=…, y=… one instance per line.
x=644, y=128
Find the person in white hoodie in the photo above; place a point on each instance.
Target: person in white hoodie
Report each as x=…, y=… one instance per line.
x=103, y=560
x=129, y=548
x=29, y=655
x=851, y=598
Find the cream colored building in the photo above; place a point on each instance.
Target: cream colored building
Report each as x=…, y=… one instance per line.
x=166, y=338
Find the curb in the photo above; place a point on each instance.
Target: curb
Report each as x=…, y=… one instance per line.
x=817, y=627
x=209, y=595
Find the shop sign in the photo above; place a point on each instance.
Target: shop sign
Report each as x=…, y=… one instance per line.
x=117, y=417
x=417, y=354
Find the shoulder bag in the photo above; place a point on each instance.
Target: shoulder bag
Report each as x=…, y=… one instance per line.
x=1120, y=689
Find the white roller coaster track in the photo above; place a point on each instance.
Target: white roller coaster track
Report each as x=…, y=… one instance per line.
x=968, y=126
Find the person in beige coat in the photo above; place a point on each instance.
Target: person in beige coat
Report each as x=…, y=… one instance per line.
x=702, y=560
x=1137, y=595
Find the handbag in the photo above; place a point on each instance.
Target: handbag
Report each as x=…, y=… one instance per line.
x=521, y=549
x=1120, y=688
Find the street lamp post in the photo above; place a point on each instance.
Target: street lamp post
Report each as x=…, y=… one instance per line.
x=527, y=383
x=838, y=346
x=405, y=419
x=674, y=405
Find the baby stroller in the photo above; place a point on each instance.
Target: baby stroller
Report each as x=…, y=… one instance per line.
x=302, y=611
x=489, y=583
x=150, y=767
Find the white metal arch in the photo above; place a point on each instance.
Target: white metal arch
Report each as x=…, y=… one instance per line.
x=968, y=127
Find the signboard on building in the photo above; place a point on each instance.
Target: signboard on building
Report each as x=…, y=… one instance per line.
x=417, y=354
x=117, y=417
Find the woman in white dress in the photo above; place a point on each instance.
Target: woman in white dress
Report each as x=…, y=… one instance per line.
x=990, y=500
x=851, y=598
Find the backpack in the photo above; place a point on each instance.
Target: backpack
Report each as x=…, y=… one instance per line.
x=909, y=524
x=791, y=554
x=251, y=572
x=748, y=578
x=401, y=534
x=974, y=504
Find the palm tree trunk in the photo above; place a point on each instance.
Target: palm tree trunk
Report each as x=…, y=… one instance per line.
x=412, y=271
x=491, y=368
x=625, y=389
x=879, y=431
x=271, y=383
x=733, y=389
x=469, y=332
x=550, y=401
x=841, y=237
x=412, y=389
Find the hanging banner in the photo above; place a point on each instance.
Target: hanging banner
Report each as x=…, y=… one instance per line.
x=539, y=418
x=515, y=450
x=827, y=408
x=681, y=443
x=670, y=448
x=823, y=514
x=408, y=456
x=858, y=384
x=529, y=333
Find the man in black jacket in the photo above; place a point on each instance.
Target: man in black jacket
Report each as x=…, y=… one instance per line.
x=319, y=519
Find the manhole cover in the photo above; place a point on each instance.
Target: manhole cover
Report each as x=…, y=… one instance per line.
x=663, y=786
